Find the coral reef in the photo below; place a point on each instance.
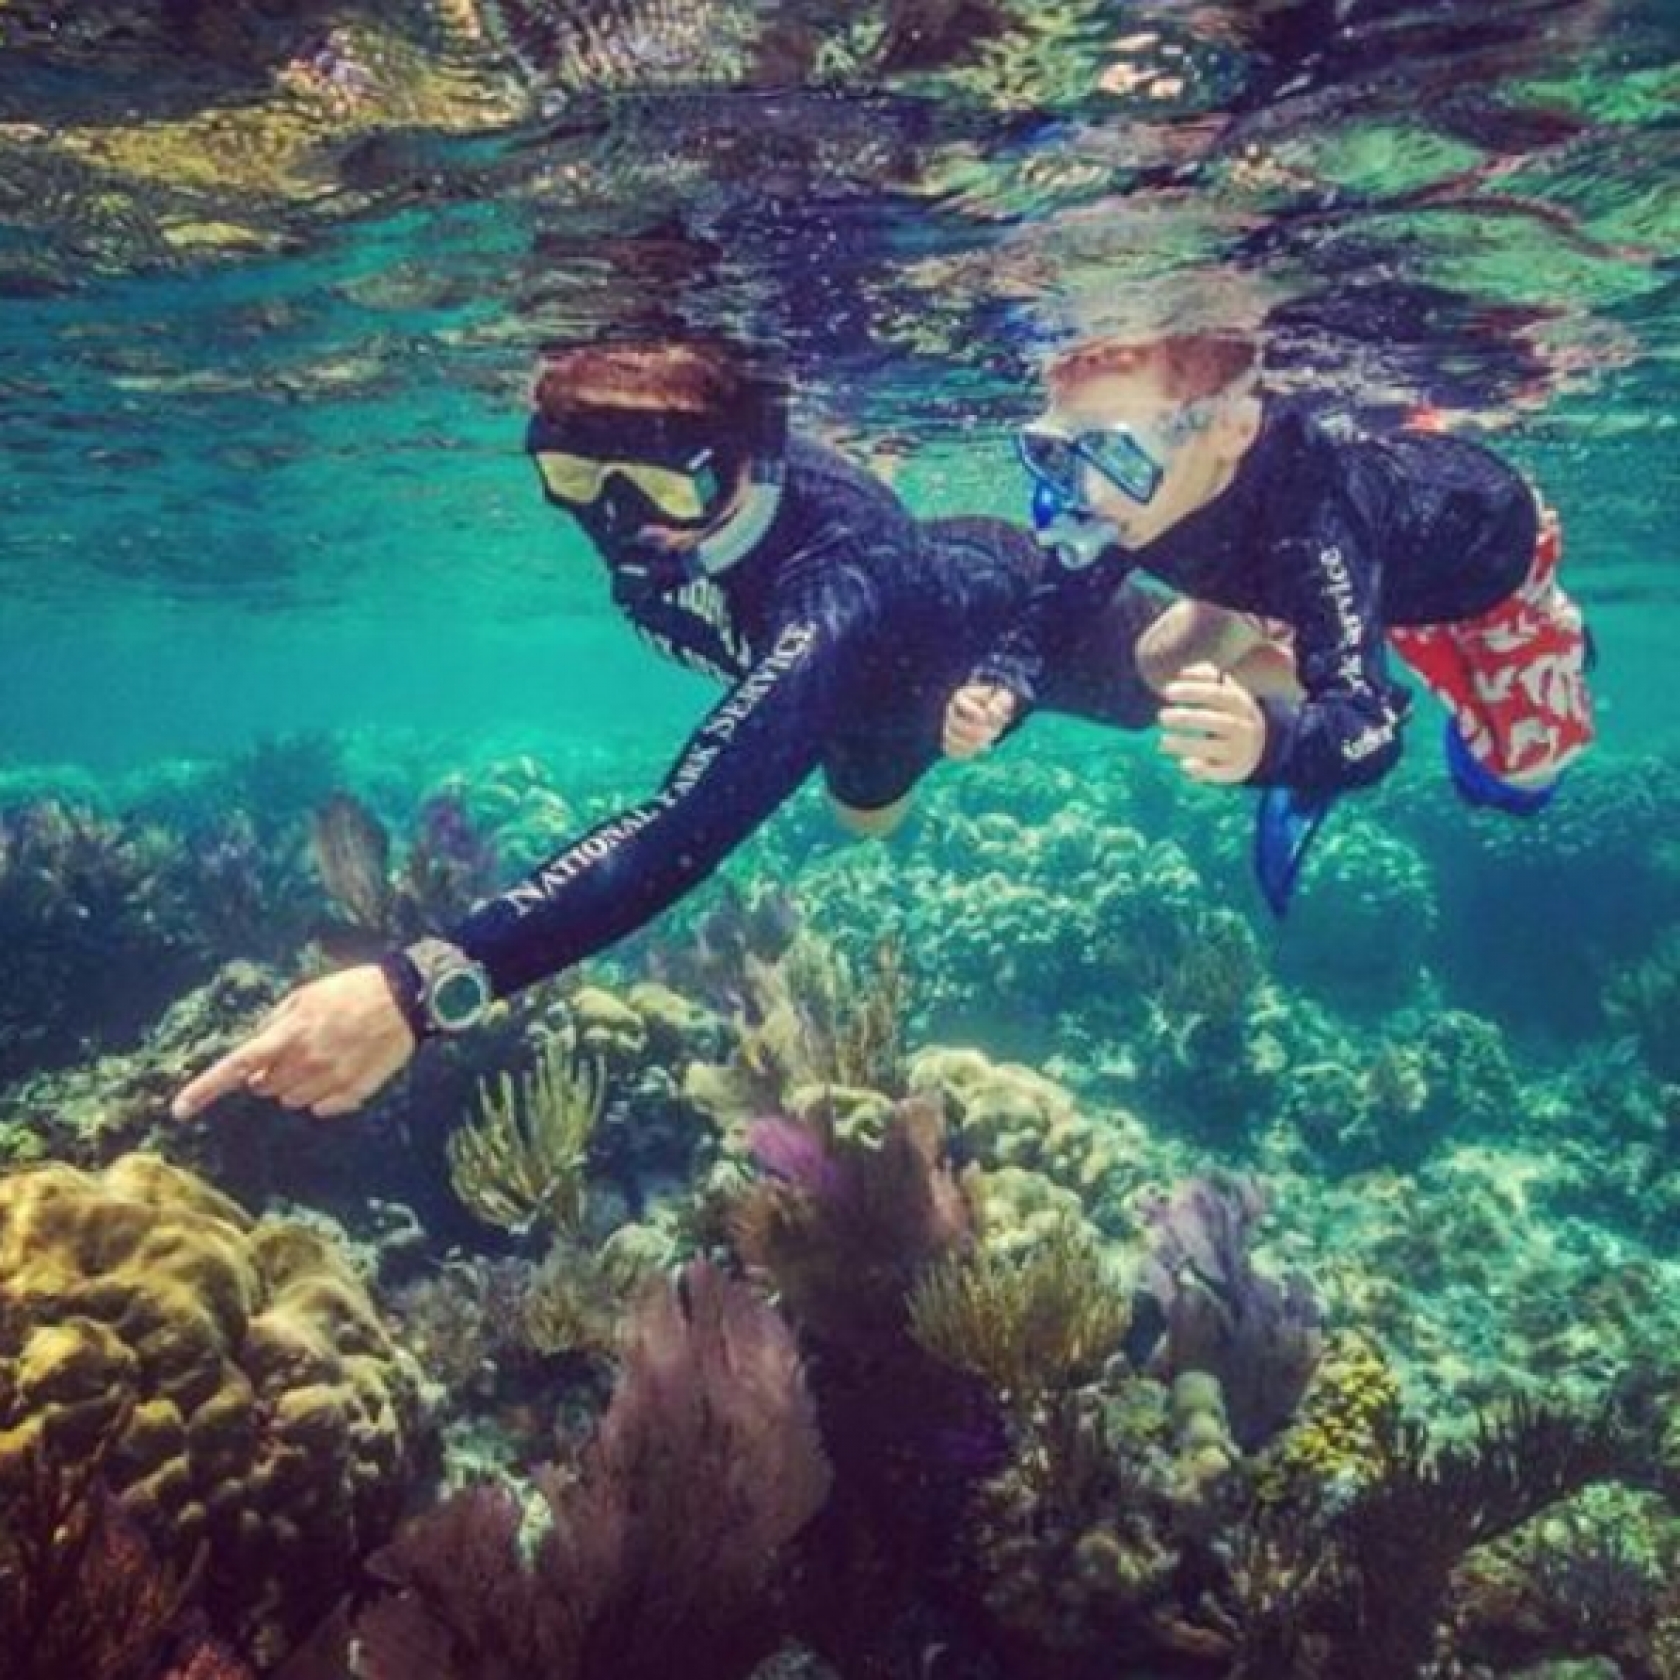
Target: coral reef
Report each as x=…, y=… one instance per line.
x=463, y=1323
x=1216, y=1035
x=1435, y=1075
x=844, y=1229
x=251, y=896
x=1336, y=1441
x=251, y=1399
x=91, y=1113
x=846, y=1225
x=1644, y=1002
x=1073, y=1425
x=94, y=920
x=1118, y=1497
x=713, y=962
x=1007, y=1115
x=1587, y=901
x=1593, y=1578
x=1047, y=913
x=448, y=866
x=574, y=1300
x=516, y=803
x=813, y=1035
x=1361, y=932
x=1371, y=1575
x=1017, y=1211
x=666, y=1536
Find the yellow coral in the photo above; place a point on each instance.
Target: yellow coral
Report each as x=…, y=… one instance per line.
x=254, y=1402
x=577, y=1297
x=671, y=1022
x=1012, y=1116
x=1341, y=1432
x=608, y=1028
x=522, y=1165
x=1016, y=1211
x=1029, y=1327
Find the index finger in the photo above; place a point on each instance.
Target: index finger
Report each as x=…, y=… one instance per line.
x=229, y=1074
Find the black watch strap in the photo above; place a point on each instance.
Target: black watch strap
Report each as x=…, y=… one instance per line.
x=408, y=988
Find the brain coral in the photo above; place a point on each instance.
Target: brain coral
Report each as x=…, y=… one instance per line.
x=253, y=1400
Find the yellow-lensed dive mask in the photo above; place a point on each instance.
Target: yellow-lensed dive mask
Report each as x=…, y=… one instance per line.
x=688, y=494
x=629, y=465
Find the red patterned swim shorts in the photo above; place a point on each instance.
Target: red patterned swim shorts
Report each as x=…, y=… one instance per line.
x=1514, y=679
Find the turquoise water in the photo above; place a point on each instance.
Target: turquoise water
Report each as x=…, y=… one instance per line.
x=308, y=461
x=271, y=282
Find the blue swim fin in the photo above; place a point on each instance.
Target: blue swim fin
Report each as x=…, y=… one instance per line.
x=1477, y=785
x=1286, y=822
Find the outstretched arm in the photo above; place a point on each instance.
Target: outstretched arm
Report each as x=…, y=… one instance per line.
x=749, y=755
x=333, y=1043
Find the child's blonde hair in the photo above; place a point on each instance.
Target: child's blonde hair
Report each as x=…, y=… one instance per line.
x=1190, y=367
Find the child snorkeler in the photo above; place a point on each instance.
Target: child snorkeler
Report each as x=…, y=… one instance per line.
x=1162, y=456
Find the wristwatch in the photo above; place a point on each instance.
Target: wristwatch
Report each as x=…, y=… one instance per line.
x=438, y=987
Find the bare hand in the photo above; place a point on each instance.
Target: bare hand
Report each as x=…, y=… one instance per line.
x=327, y=1047
x=977, y=715
x=1214, y=727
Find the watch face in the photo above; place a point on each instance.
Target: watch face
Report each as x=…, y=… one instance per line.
x=458, y=998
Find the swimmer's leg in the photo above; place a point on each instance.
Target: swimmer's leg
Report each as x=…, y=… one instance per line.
x=878, y=822
x=1252, y=651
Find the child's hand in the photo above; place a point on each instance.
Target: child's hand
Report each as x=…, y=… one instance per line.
x=1214, y=727
x=977, y=715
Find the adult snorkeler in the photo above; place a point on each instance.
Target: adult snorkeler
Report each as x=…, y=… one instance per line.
x=841, y=624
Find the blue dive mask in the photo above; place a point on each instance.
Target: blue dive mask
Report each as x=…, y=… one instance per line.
x=1132, y=458
x=1057, y=462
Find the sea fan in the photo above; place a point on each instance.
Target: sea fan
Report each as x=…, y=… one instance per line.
x=1260, y=1337
x=665, y=1537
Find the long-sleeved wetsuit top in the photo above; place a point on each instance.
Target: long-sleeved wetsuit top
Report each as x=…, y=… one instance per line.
x=1341, y=538
x=846, y=625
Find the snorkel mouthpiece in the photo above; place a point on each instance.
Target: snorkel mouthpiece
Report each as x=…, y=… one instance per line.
x=1075, y=537
x=1047, y=507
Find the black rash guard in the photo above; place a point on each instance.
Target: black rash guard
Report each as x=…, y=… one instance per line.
x=842, y=635
x=1342, y=539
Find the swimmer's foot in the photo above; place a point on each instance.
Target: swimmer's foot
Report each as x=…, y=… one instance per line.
x=1479, y=786
x=1286, y=822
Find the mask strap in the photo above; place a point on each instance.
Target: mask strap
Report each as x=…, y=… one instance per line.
x=746, y=528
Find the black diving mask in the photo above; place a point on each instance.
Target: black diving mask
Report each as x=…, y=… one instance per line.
x=630, y=476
